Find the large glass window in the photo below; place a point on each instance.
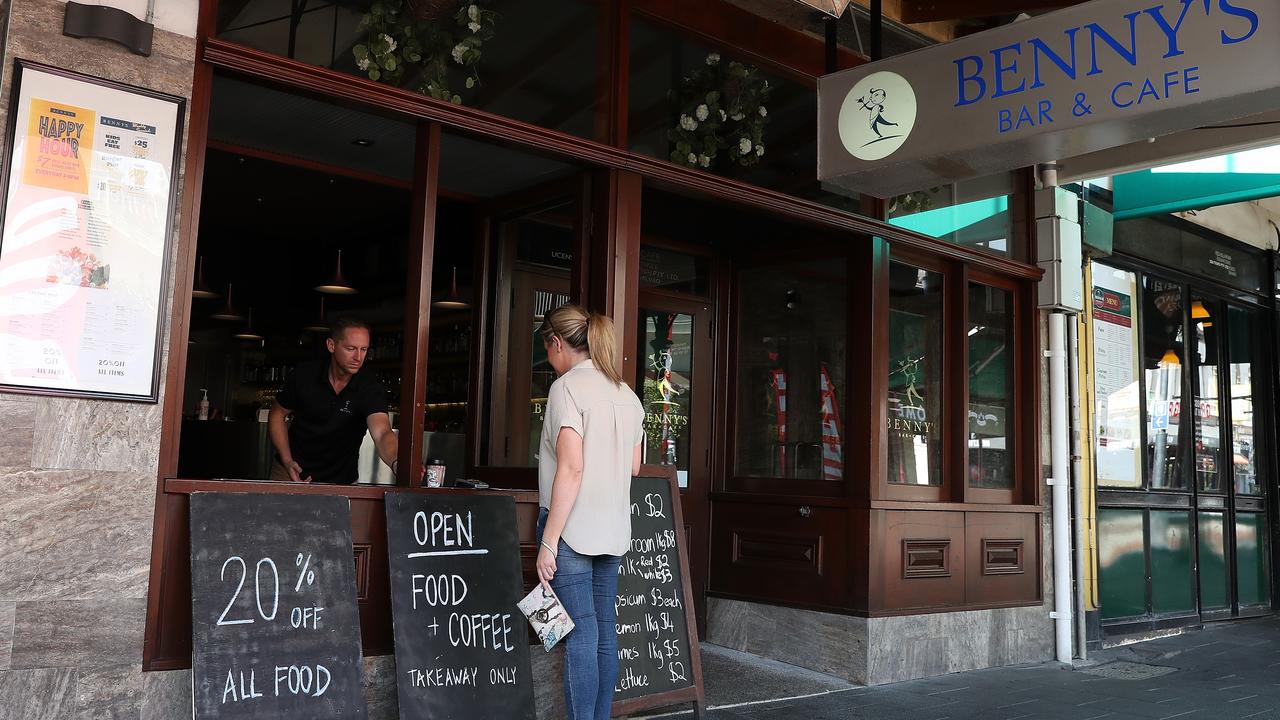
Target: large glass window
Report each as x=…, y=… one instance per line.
x=703, y=108
x=1207, y=435
x=1162, y=351
x=537, y=62
x=1244, y=442
x=509, y=216
x=975, y=213
x=791, y=370
x=916, y=359
x=991, y=387
x=1118, y=411
x=296, y=229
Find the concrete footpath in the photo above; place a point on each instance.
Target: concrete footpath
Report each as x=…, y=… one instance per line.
x=1227, y=671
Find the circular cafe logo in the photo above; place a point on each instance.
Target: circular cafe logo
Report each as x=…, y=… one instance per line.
x=877, y=115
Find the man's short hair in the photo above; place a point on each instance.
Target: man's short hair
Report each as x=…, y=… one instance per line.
x=342, y=324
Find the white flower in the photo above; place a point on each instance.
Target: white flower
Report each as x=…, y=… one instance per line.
x=473, y=27
x=704, y=161
x=713, y=59
x=702, y=112
x=764, y=111
x=471, y=82
x=390, y=41
x=759, y=151
x=688, y=123
x=692, y=158
x=459, y=51
x=723, y=116
x=737, y=116
x=473, y=14
x=363, y=63
x=744, y=146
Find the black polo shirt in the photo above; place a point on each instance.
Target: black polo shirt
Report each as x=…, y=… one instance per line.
x=328, y=427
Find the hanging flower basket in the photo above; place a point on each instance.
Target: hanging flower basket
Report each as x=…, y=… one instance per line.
x=721, y=113
x=431, y=46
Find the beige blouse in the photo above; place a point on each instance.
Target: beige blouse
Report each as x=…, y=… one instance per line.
x=610, y=420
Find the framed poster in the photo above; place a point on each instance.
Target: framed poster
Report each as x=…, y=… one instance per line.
x=89, y=199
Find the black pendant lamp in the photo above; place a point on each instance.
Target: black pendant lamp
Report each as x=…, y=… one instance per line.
x=337, y=285
x=202, y=289
x=452, y=301
x=248, y=333
x=228, y=311
x=320, y=324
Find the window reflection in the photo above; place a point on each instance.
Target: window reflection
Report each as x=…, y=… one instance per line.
x=990, y=363
x=666, y=345
x=1244, y=447
x=791, y=379
x=1162, y=348
x=1207, y=433
x=974, y=213
x=915, y=375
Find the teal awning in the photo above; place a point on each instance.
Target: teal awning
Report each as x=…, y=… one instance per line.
x=1198, y=184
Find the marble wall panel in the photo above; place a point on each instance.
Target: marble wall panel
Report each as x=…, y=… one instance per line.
x=17, y=431
x=109, y=693
x=380, y=687
x=78, y=633
x=6, y=633
x=824, y=642
x=45, y=694
x=74, y=535
x=166, y=695
x=79, y=434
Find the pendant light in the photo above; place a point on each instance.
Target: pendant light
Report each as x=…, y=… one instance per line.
x=320, y=324
x=1199, y=311
x=1170, y=357
x=248, y=333
x=202, y=289
x=228, y=311
x=453, y=301
x=337, y=285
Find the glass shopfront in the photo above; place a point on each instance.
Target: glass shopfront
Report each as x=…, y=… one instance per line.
x=1180, y=448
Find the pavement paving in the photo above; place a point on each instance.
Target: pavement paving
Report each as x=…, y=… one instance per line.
x=1225, y=671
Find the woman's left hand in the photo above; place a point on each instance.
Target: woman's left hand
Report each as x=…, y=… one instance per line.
x=546, y=566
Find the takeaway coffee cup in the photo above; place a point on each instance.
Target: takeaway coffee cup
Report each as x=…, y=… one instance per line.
x=435, y=468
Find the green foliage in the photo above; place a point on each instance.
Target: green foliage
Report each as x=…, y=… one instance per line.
x=721, y=113
x=439, y=58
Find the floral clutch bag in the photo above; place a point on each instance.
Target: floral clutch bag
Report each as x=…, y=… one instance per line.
x=547, y=616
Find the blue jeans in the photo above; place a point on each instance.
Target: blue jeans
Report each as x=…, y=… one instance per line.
x=588, y=588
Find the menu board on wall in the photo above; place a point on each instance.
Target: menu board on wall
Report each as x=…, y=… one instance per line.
x=1117, y=416
x=88, y=207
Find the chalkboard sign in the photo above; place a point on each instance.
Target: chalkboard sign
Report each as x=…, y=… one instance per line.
x=462, y=645
x=276, y=630
x=659, y=659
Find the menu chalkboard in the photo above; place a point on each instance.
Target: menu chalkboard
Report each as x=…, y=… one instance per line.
x=276, y=630
x=462, y=646
x=659, y=661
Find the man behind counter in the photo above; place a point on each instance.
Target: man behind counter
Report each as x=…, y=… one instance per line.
x=332, y=404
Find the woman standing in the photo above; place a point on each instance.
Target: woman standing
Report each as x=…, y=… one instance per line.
x=592, y=436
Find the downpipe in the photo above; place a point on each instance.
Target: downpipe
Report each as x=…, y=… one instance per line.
x=1077, y=486
x=1060, y=483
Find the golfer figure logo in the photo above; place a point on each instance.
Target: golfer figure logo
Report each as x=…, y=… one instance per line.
x=877, y=116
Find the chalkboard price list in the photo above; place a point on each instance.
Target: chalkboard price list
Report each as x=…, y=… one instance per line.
x=275, y=619
x=653, y=634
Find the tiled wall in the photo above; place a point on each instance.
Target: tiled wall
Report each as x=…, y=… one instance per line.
x=78, y=478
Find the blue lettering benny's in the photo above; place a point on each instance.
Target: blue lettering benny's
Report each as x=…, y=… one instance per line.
x=1089, y=50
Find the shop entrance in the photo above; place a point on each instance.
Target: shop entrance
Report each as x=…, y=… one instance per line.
x=674, y=380
x=1182, y=456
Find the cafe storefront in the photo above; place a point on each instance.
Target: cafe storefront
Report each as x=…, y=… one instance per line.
x=1181, y=363
x=846, y=387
